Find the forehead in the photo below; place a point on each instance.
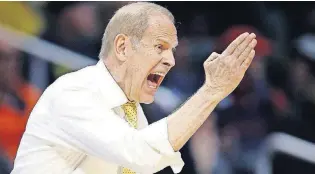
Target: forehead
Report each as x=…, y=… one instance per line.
x=161, y=28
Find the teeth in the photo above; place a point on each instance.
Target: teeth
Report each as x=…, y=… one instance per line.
x=154, y=87
x=159, y=73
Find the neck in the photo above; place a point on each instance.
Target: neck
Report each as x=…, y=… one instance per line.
x=118, y=71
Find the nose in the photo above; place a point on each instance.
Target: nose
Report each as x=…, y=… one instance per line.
x=169, y=60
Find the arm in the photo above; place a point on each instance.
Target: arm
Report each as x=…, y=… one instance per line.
x=223, y=74
x=85, y=123
x=183, y=123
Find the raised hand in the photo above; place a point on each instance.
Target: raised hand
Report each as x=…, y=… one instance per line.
x=225, y=71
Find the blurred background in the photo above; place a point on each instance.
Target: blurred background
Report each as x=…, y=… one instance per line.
x=266, y=126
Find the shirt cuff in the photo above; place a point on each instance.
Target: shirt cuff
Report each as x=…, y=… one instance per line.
x=156, y=135
x=174, y=161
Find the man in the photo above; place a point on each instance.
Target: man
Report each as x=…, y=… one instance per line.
x=90, y=121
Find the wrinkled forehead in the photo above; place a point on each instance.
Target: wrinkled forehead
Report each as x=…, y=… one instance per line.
x=161, y=28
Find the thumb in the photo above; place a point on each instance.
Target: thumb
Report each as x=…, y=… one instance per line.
x=212, y=57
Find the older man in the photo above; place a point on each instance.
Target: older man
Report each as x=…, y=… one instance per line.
x=90, y=121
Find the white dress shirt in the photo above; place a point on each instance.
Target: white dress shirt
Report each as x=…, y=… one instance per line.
x=78, y=127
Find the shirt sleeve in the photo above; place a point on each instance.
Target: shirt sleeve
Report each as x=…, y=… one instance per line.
x=89, y=126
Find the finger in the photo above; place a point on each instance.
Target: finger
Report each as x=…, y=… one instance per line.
x=238, y=51
x=230, y=49
x=213, y=56
x=248, y=60
x=247, y=51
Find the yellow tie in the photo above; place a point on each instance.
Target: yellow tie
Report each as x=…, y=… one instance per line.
x=130, y=110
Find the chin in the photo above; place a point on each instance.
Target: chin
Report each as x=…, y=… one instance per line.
x=147, y=99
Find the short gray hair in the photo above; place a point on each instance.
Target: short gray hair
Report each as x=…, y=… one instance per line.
x=132, y=20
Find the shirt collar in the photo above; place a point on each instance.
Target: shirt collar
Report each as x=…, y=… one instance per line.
x=113, y=94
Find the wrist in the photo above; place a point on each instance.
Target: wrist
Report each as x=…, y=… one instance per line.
x=211, y=94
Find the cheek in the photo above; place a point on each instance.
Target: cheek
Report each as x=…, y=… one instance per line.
x=143, y=63
x=137, y=72
x=148, y=60
x=152, y=58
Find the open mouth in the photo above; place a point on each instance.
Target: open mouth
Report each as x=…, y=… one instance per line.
x=155, y=79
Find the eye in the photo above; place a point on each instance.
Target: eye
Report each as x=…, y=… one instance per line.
x=159, y=48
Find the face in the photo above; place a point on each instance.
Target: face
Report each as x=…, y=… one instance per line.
x=151, y=60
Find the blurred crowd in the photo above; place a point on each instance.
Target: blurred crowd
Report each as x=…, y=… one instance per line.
x=276, y=95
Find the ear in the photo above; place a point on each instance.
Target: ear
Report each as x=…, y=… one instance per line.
x=120, y=46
